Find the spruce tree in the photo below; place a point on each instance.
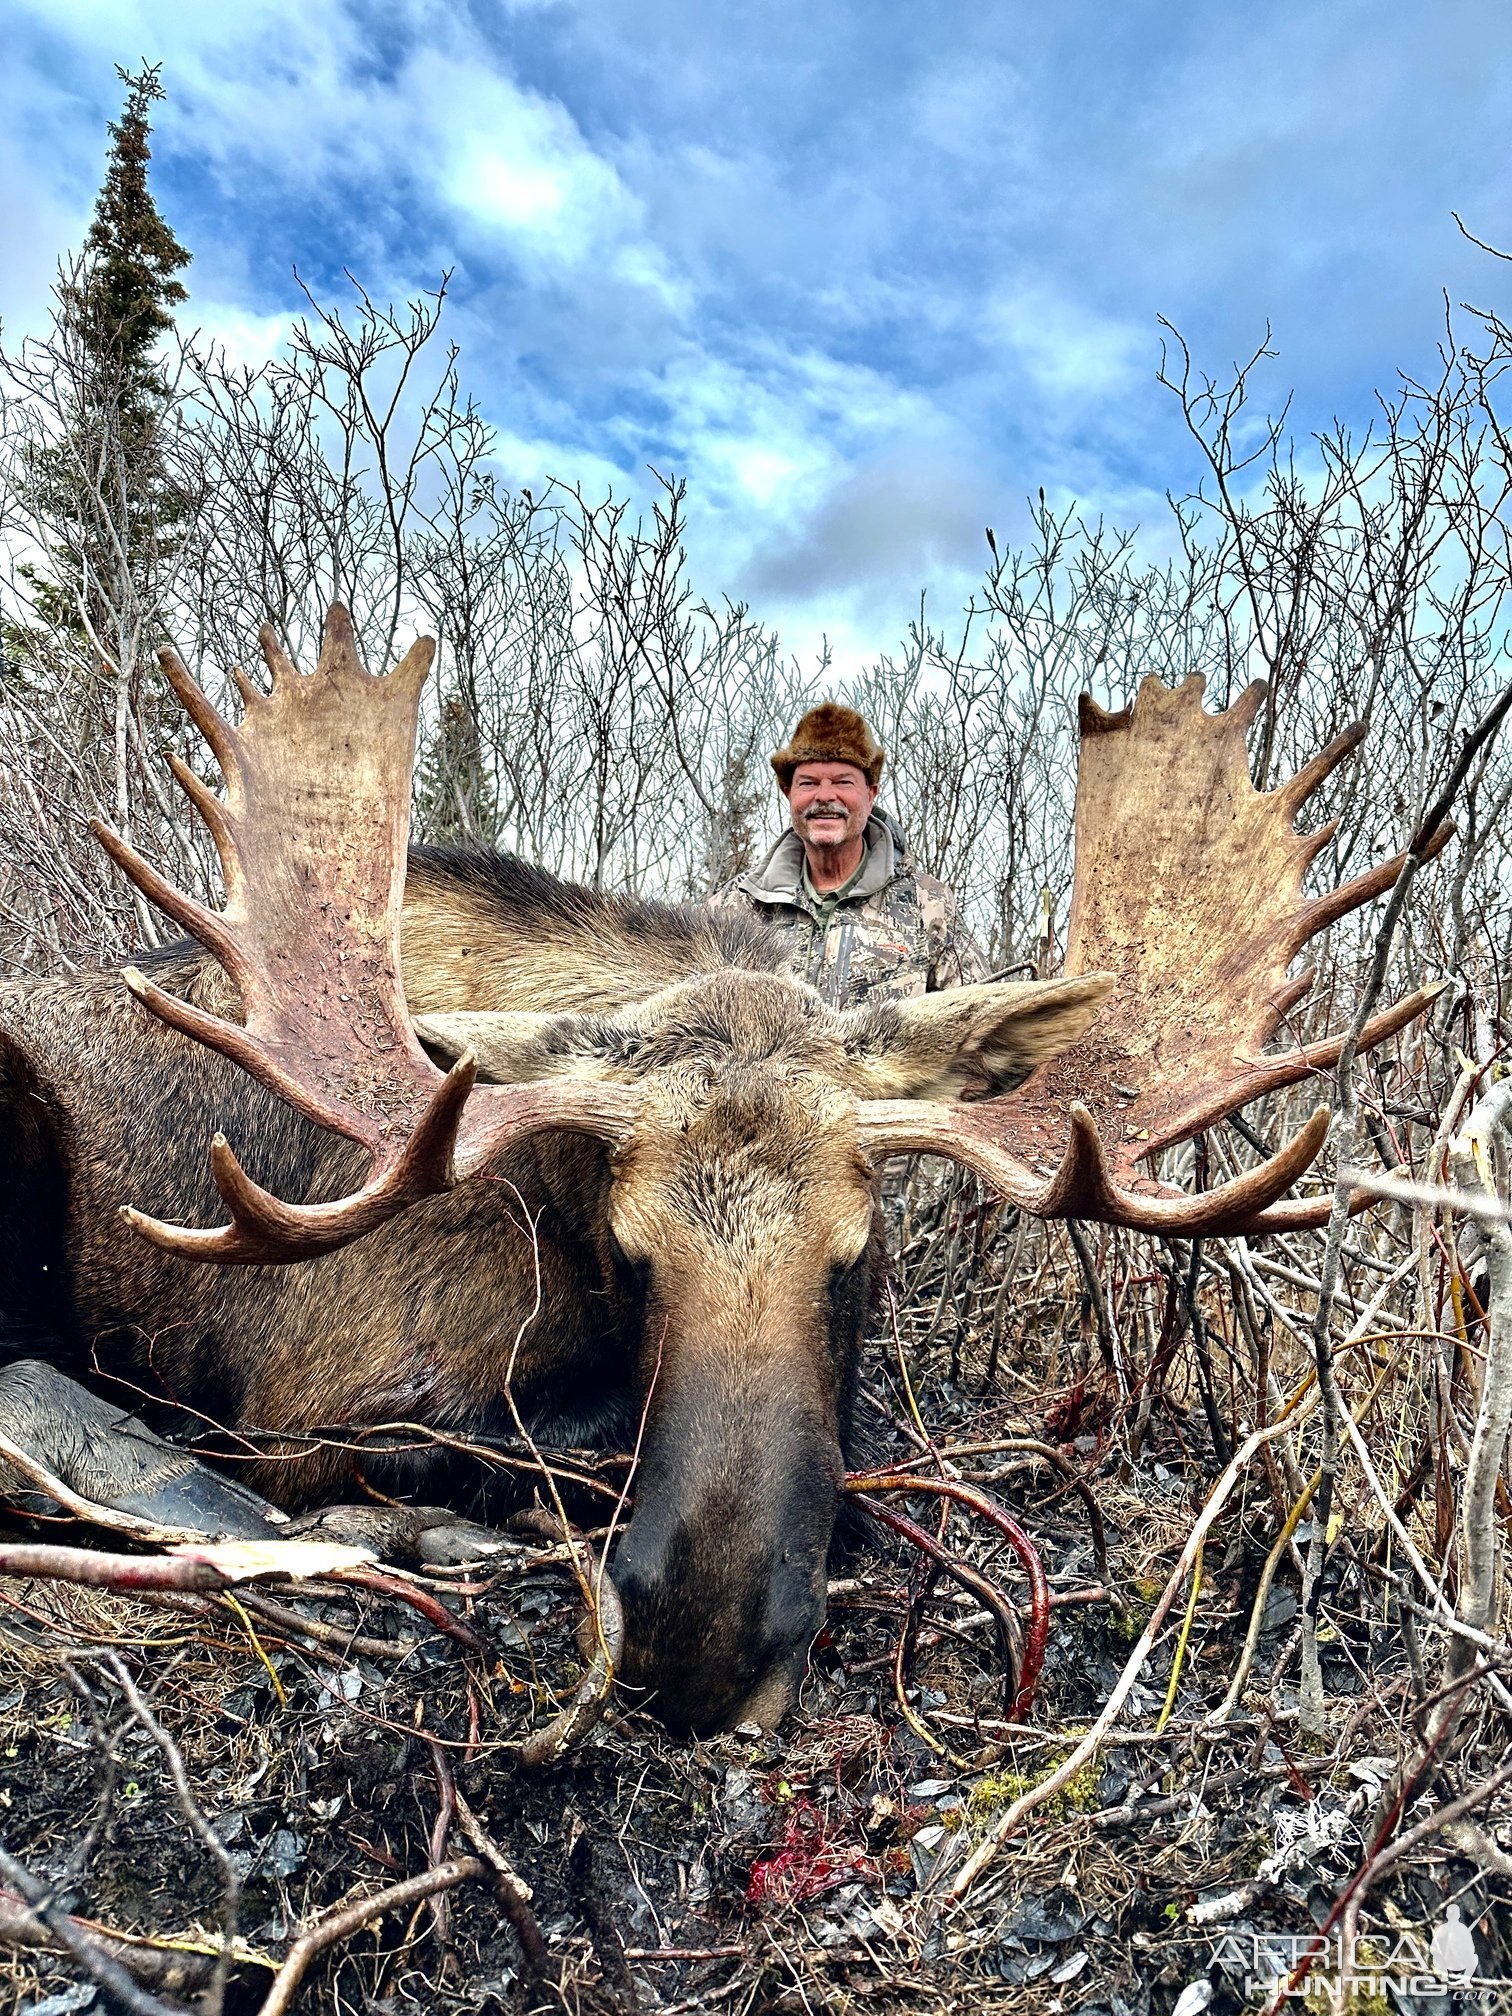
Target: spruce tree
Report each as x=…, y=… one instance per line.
x=105, y=479
x=454, y=799
x=124, y=300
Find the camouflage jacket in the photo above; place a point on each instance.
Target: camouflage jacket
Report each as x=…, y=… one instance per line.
x=896, y=932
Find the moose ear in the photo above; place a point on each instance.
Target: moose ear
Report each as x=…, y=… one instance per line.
x=982, y=1039
x=511, y=1045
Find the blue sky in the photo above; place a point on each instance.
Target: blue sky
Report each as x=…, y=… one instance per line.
x=866, y=272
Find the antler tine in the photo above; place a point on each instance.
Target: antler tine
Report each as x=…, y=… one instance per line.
x=230, y=1038
x=1084, y=1185
x=202, y=798
x=206, y=925
x=277, y=660
x=225, y=746
x=191, y=697
x=265, y=1228
x=1081, y=1187
x=1297, y=1214
x=1234, y=1205
x=1298, y=789
x=1210, y=1213
x=1308, y=1060
x=1337, y=903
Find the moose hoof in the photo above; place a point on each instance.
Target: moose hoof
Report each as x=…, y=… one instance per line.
x=119, y=1468
x=411, y=1536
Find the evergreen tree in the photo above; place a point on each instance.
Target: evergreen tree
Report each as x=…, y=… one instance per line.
x=454, y=799
x=104, y=480
x=124, y=299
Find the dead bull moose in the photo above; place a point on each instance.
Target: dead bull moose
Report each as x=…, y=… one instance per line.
x=659, y=1212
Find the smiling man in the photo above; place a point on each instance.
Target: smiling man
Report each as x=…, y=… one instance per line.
x=865, y=923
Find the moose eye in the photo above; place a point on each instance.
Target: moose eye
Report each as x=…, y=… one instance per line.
x=848, y=1279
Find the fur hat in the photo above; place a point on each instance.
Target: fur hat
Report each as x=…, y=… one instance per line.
x=830, y=733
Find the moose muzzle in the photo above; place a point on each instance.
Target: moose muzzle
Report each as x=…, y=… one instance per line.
x=722, y=1569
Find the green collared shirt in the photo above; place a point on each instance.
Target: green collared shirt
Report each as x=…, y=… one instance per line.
x=824, y=903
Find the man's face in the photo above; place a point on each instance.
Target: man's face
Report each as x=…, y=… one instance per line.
x=829, y=803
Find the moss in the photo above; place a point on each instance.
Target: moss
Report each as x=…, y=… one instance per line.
x=991, y=1794
x=1128, y=1616
x=1080, y=1792
x=999, y=1790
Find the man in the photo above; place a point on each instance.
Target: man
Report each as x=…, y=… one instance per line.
x=865, y=924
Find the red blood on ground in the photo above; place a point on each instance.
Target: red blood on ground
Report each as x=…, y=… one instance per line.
x=809, y=1861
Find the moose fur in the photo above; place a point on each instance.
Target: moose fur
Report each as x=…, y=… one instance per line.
x=706, y=1281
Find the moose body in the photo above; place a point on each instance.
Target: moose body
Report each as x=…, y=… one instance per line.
x=653, y=1220
x=406, y=1324
x=703, y=1285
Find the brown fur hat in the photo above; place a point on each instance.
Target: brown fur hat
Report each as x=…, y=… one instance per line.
x=830, y=733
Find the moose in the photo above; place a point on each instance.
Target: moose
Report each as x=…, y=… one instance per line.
x=494, y=1149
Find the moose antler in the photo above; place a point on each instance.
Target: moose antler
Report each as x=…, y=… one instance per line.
x=1188, y=888
x=312, y=837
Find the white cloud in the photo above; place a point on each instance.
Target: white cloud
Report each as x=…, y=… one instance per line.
x=245, y=339
x=532, y=461
x=513, y=192
x=510, y=159
x=771, y=426
x=910, y=510
x=1067, y=349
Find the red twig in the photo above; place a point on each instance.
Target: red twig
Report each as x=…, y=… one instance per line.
x=960, y=1571
x=430, y=1607
x=446, y=1813
x=863, y=1484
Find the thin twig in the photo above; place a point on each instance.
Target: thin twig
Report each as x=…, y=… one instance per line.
x=199, y=1826
x=350, y=1917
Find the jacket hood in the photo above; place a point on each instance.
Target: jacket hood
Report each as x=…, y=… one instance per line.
x=778, y=878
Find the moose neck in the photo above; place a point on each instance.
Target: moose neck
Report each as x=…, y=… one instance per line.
x=485, y=931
